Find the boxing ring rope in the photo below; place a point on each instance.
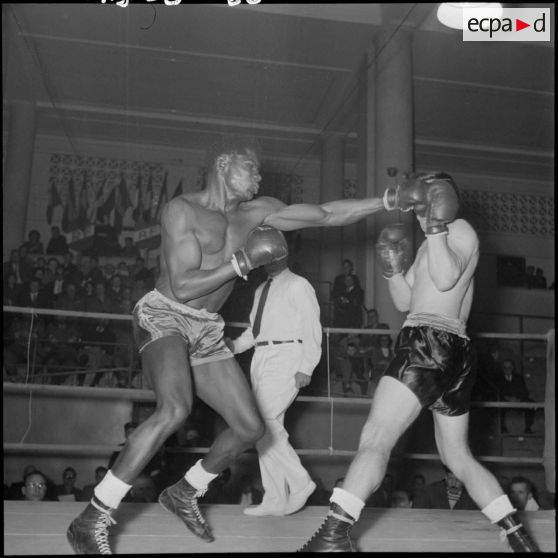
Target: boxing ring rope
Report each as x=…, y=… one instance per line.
x=146, y=395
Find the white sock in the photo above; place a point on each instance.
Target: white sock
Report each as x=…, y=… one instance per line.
x=111, y=490
x=498, y=508
x=198, y=477
x=350, y=503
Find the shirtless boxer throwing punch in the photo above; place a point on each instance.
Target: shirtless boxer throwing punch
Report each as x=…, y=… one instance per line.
x=207, y=240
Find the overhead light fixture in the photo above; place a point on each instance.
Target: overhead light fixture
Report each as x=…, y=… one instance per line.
x=451, y=13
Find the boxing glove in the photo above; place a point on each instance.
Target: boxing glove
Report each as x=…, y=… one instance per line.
x=394, y=249
x=405, y=196
x=264, y=245
x=442, y=205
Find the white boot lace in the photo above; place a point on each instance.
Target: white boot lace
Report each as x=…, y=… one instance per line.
x=101, y=533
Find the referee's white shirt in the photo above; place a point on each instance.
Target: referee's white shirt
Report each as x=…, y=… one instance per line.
x=291, y=312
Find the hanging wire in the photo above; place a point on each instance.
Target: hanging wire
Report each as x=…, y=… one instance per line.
x=29, y=403
x=330, y=447
x=352, y=91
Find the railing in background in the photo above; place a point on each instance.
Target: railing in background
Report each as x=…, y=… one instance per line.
x=329, y=381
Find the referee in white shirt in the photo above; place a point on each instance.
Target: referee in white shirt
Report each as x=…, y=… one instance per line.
x=287, y=335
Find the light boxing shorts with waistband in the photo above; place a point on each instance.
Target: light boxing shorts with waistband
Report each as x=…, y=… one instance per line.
x=155, y=316
x=435, y=360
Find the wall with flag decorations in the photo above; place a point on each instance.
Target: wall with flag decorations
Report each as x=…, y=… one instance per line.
x=125, y=187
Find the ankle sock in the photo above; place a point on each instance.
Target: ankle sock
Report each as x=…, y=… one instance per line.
x=350, y=503
x=498, y=509
x=198, y=477
x=111, y=490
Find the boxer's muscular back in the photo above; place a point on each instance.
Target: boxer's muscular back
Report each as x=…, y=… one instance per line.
x=456, y=302
x=215, y=236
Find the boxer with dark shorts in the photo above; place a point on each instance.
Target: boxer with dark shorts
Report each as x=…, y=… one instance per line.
x=433, y=363
x=208, y=239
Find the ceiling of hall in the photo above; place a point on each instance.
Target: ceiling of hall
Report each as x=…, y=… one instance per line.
x=174, y=75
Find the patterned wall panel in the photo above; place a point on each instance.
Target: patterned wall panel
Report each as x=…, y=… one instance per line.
x=509, y=213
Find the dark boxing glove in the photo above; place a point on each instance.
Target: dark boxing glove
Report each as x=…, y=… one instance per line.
x=264, y=245
x=394, y=249
x=442, y=205
x=408, y=195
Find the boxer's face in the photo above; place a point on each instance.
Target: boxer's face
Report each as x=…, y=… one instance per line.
x=242, y=174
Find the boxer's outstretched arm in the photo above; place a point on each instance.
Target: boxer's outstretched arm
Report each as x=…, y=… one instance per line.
x=329, y=214
x=183, y=256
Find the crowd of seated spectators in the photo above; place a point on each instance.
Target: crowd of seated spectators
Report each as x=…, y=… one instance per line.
x=63, y=281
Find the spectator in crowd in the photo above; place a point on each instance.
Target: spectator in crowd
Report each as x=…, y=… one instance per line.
x=34, y=244
x=401, y=499
x=12, y=290
x=109, y=272
x=124, y=273
x=56, y=288
x=139, y=290
x=61, y=350
x=339, y=281
x=71, y=272
x=50, y=271
x=540, y=279
x=98, y=348
x=14, y=265
x=114, y=290
x=143, y=490
x=82, y=276
x=530, y=277
x=35, y=488
x=57, y=245
x=380, y=356
x=39, y=273
x=348, y=304
x=69, y=299
x=95, y=272
x=248, y=492
x=67, y=491
x=40, y=263
x=513, y=388
x=33, y=296
x=372, y=322
x=129, y=250
x=124, y=355
x=126, y=302
x=141, y=273
x=418, y=486
x=99, y=301
x=446, y=494
x=20, y=343
x=15, y=491
x=521, y=493
x=351, y=366
x=88, y=490
x=27, y=265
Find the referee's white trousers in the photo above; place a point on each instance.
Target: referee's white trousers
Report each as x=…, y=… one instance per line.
x=272, y=373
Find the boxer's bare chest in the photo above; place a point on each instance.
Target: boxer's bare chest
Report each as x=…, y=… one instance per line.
x=220, y=234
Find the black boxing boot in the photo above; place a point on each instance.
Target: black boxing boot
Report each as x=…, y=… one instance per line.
x=334, y=534
x=88, y=532
x=516, y=535
x=182, y=500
